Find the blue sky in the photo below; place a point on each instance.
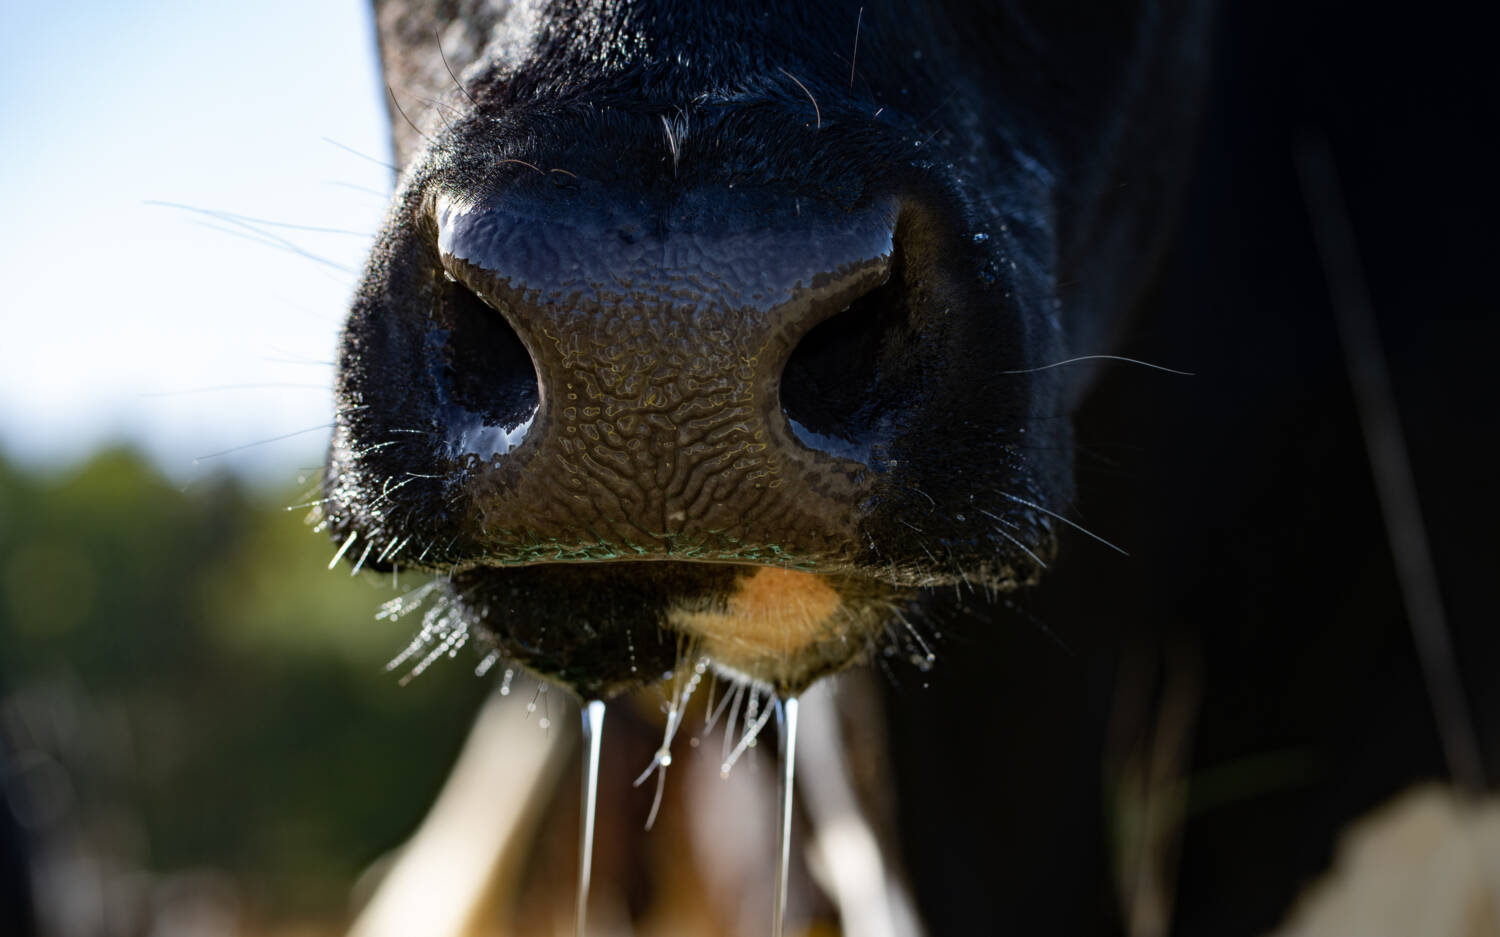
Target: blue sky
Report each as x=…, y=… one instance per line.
x=123, y=319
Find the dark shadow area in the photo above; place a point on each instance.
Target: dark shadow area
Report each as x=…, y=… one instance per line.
x=1255, y=645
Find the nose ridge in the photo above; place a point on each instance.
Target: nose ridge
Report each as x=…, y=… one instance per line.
x=659, y=340
x=696, y=253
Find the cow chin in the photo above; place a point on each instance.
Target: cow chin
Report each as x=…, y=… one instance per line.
x=606, y=628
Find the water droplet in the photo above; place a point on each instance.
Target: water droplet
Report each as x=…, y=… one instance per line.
x=593, y=734
x=786, y=716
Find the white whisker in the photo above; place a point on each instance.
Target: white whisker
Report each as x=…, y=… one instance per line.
x=1078, y=527
x=343, y=549
x=1058, y=364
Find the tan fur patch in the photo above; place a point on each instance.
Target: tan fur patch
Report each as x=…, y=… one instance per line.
x=772, y=616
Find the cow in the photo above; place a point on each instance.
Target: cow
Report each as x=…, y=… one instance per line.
x=769, y=340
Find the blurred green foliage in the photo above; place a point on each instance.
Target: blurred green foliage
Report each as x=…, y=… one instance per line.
x=229, y=703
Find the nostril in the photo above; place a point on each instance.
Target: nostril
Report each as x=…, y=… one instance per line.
x=832, y=390
x=485, y=380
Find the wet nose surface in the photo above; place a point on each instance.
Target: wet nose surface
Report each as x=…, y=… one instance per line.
x=659, y=337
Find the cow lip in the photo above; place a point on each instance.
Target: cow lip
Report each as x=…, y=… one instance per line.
x=773, y=625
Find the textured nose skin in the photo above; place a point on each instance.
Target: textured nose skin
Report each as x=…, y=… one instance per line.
x=659, y=337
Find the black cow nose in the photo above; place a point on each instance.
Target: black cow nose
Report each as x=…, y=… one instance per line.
x=658, y=337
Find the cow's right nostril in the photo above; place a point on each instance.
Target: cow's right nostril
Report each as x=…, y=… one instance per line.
x=832, y=390
x=484, y=376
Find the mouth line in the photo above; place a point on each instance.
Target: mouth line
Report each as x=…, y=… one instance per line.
x=585, y=558
x=480, y=565
x=618, y=562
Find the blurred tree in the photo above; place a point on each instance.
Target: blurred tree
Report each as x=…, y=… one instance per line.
x=193, y=690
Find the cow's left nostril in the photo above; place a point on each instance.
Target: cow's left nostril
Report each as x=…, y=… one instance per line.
x=832, y=391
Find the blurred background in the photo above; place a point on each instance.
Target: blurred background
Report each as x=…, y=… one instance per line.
x=194, y=704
